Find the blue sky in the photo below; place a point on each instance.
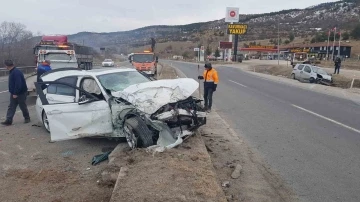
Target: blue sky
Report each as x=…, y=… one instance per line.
x=72, y=16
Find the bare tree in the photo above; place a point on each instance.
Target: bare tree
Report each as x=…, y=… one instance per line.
x=16, y=43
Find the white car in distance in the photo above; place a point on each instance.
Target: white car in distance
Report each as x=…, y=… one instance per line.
x=118, y=102
x=108, y=63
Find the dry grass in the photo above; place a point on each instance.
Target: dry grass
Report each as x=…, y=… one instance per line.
x=347, y=64
x=274, y=70
x=344, y=82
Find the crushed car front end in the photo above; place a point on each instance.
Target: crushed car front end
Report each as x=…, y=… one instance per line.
x=166, y=128
x=160, y=113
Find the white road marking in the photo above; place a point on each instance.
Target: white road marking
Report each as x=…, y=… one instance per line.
x=328, y=119
x=238, y=83
x=4, y=91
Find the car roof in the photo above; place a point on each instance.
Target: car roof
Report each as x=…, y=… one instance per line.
x=65, y=72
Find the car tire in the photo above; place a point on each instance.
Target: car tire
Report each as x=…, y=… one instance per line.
x=312, y=80
x=137, y=133
x=45, y=121
x=293, y=76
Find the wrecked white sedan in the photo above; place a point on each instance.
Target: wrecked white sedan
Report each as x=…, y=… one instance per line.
x=121, y=102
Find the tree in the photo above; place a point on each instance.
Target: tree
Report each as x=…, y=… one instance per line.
x=217, y=53
x=291, y=36
x=287, y=41
x=208, y=51
x=345, y=36
x=355, y=33
x=16, y=43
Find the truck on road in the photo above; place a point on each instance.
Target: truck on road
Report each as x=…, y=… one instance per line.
x=84, y=54
x=61, y=54
x=145, y=61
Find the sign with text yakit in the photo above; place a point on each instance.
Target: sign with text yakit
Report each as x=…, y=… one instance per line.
x=232, y=14
x=237, y=29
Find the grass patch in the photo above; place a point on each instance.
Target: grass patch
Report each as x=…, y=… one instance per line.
x=274, y=70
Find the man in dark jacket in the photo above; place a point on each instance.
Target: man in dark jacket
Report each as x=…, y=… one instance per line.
x=337, y=64
x=18, y=93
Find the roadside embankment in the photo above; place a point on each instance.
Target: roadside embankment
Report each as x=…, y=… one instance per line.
x=184, y=173
x=339, y=81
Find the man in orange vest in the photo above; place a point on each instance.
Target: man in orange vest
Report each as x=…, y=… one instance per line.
x=211, y=79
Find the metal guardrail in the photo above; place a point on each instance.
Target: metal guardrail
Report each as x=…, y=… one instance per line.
x=25, y=70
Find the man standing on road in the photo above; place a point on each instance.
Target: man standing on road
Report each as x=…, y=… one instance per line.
x=18, y=93
x=210, y=84
x=337, y=65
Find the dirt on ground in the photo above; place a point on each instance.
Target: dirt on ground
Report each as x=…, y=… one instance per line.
x=184, y=174
x=32, y=169
x=272, y=70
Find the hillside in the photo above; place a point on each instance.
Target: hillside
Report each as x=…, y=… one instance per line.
x=302, y=22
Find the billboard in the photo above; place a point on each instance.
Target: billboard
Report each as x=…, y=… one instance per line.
x=225, y=44
x=237, y=29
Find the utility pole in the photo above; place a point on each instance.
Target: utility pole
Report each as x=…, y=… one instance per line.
x=229, y=50
x=278, y=43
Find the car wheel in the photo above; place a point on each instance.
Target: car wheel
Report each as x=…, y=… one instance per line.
x=45, y=121
x=137, y=133
x=293, y=76
x=312, y=80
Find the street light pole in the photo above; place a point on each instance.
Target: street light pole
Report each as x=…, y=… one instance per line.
x=278, y=46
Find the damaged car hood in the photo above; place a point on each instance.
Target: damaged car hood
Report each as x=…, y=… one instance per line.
x=327, y=77
x=151, y=96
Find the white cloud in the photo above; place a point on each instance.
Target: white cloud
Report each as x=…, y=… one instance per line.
x=72, y=16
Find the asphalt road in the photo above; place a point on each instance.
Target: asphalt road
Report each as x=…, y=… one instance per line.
x=311, y=139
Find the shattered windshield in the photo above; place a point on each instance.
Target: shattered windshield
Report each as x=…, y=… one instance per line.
x=143, y=58
x=118, y=81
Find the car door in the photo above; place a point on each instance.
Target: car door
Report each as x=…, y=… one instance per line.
x=85, y=118
x=306, y=73
x=298, y=71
